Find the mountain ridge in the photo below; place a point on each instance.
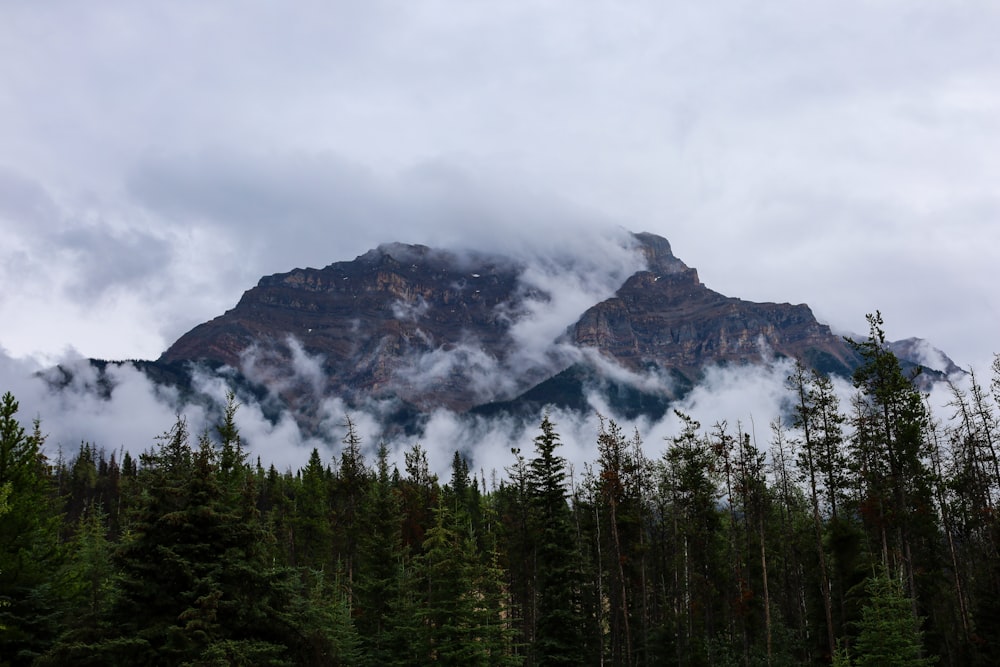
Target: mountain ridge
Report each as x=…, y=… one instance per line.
x=413, y=329
x=427, y=327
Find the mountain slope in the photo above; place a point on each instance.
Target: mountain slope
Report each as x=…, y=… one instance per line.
x=431, y=329
x=673, y=321
x=366, y=319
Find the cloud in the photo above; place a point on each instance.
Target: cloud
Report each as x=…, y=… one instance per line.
x=160, y=157
x=825, y=143
x=83, y=253
x=652, y=381
x=410, y=311
x=136, y=413
x=314, y=207
x=464, y=364
x=487, y=443
x=109, y=259
x=98, y=270
x=24, y=203
x=285, y=367
x=558, y=288
x=555, y=285
x=125, y=411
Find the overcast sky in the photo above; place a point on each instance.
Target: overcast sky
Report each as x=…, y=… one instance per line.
x=157, y=158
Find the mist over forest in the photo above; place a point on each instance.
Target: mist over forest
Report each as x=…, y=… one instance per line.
x=843, y=522
x=510, y=431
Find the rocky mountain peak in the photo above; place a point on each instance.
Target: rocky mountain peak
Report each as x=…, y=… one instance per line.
x=397, y=253
x=430, y=328
x=659, y=257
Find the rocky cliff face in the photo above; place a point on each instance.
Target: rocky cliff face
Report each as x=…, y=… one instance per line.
x=367, y=320
x=411, y=324
x=674, y=322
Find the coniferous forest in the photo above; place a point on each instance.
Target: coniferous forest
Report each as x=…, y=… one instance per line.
x=859, y=534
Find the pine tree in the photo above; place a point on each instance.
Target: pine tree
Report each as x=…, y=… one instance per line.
x=889, y=635
x=317, y=618
x=312, y=542
x=890, y=439
x=91, y=570
x=621, y=478
x=458, y=610
x=349, y=488
x=380, y=556
x=513, y=508
x=195, y=584
x=809, y=419
x=690, y=482
x=232, y=457
x=419, y=494
x=5, y=490
x=30, y=554
x=558, y=639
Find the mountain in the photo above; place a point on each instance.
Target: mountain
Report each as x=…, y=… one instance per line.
x=417, y=329
x=664, y=316
x=370, y=321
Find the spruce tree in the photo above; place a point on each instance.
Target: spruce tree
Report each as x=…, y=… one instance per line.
x=889, y=635
x=690, y=480
x=90, y=590
x=30, y=554
x=458, y=608
x=808, y=419
x=380, y=556
x=558, y=639
x=312, y=532
x=890, y=441
x=195, y=584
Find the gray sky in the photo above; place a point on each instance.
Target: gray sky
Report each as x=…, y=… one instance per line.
x=157, y=158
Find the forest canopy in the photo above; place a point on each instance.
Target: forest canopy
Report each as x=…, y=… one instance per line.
x=860, y=534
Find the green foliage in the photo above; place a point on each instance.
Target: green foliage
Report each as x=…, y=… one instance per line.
x=709, y=553
x=889, y=634
x=5, y=490
x=381, y=554
x=317, y=620
x=892, y=453
x=312, y=543
x=689, y=488
x=30, y=554
x=558, y=638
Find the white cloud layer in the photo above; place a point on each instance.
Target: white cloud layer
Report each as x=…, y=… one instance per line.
x=136, y=411
x=159, y=157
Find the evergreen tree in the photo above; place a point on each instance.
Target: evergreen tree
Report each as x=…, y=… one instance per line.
x=889, y=635
x=90, y=589
x=809, y=420
x=459, y=609
x=312, y=541
x=349, y=488
x=690, y=482
x=231, y=455
x=30, y=554
x=317, y=616
x=190, y=555
x=890, y=440
x=381, y=555
x=518, y=557
x=5, y=489
x=195, y=585
x=558, y=639
x=419, y=494
x=621, y=478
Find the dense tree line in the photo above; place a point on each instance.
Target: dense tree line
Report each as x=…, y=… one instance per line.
x=858, y=535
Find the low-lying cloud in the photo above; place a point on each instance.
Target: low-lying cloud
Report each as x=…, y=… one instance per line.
x=125, y=411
